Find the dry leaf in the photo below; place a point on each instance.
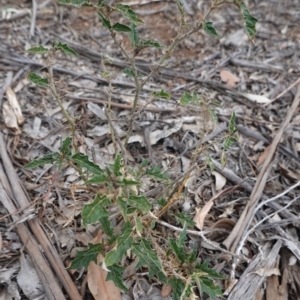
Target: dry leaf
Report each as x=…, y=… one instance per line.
x=96, y=276
x=263, y=155
x=229, y=78
x=220, y=180
x=202, y=212
x=266, y=272
x=12, y=100
x=289, y=173
x=10, y=118
x=166, y=290
x=257, y=98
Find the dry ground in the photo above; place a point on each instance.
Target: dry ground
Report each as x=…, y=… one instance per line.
x=259, y=82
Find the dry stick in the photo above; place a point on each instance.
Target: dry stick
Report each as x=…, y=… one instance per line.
x=35, y=226
x=238, y=231
x=284, y=92
x=51, y=286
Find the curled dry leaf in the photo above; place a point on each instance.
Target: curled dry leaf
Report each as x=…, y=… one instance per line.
x=257, y=98
x=10, y=118
x=229, y=78
x=12, y=100
x=101, y=289
x=220, y=180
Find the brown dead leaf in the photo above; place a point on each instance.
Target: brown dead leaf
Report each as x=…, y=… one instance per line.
x=12, y=100
x=166, y=290
x=10, y=118
x=289, y=173
x=101, y=289
x=229, y=78
x=202, y=212
x=263, y=156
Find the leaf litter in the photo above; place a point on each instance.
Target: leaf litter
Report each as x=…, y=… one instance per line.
x=172, y=133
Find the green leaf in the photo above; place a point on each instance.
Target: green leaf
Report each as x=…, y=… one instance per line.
x=210, y=163
x=162, y=202
x=66, y=148
x=106, y=226
x=213, y=114
x=249, y=21
x=228, y=142
x=184, y=218
x=231, y=126
x=139, y=224
x=150, y=43
x=178, y=288
x=134, y=37
x=207, y=286
x=162, y=94
x=49, y=158
x=92, y=212
x=140, y=202
x=205, y=268
x=77, y=3
x=85, y=257
x=121, y=28
x=99, y=179
x=157, y=172
x=105, y=22
x=147, y=257
x=186, y=99
x=144, y=163
x=123, y=243
x=182, y=237
x=123, y=207
x=115, y=275
x=38, y=49
x=177, y=250
x=83, y=162
x=65, y=48
x=128, y=72
x=116, y=167
x=37, y=79
x=128, y=13
x=208, y=28
x=128, y=182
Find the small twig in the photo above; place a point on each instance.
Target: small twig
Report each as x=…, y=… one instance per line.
x=33, y=17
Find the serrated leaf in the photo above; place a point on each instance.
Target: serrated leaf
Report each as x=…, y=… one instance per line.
x=41, y=81
x=38, y=49
x=99, y=179
x=178, y=287
x=177, y=250
x=162, y=202
x=105, y=22
x=134, y=37
x=49, y=158
x=150, y=43
x=210, y=163
x=65, y=48
x=162, y=94
x=207, y=286
x=83, y=162
x=144, y=163
x=128, y=13
x=140, y=202
x=186, y=99
x=116, y=167
x=182, y=236
x=227, y=143
x=92, y=212
x=183, y=218
x=208, y=28
x=128, y=72
x=106, y=226
x=156, y=172
x=123, y=207
x=213, y=114
x=77, y=3
x=249, y=21
x=139, y=224
x=83, y=258
x=115, y=274
x=123, y=243
x=147, y=257
x=231, y=126
x=66, y=147
x=121, y=28
x=205, y=268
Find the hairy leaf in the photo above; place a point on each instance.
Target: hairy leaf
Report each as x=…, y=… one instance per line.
x=162, y=94
x=128, y=13
x=115, y=274
x=83, y=162
x=49, y=158
x=140, y=202
x=38, y=49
